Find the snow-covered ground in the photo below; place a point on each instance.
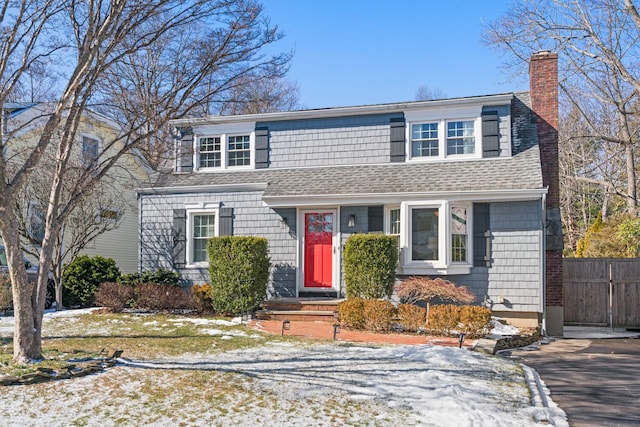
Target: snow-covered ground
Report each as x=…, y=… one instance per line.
x=289, y=384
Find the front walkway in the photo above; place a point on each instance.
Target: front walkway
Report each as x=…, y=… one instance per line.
x=324, y=331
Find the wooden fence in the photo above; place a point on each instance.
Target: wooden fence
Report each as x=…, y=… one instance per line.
x=602, y=291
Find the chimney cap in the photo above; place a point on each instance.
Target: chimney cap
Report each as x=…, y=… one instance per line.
x=543, y=53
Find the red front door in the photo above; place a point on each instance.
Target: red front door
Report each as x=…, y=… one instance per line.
x=318, y=249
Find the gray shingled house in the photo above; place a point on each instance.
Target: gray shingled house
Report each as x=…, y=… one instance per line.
x=461, y=182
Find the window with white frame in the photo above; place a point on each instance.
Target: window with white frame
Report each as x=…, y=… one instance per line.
x=203, y=227
x=459, y=234
x=210, y=152
x=224, y=151
x=424, y=140
x=239, y=150
x=460, y=137
x=424, y=233
x=433, y=236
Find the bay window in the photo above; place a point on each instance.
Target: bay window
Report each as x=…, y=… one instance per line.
x=433, y=236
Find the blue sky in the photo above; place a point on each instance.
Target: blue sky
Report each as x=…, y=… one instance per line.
x=355, y=52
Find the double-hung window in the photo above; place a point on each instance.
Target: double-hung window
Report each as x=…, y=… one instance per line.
x=210, y=152
x=442, y=138
x=202, y=228
x=424, y=140
x=224, y=151
x=239, y=150
x=460, y=137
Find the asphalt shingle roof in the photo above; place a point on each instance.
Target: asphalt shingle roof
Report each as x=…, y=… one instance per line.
x=522, y=171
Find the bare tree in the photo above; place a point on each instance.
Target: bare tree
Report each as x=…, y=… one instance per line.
x=600, y=75
x=262, y=95
x=426, y=93
x=95, y=41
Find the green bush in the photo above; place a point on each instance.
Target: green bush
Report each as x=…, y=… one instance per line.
x=160, y=276
x=239, y=271
x=351, y=313
x=81, y=277
x=378, y=315
x=411, y=317
x=370, y=262
x=475, y=321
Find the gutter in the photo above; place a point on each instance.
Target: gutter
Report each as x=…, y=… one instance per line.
x=187, y=189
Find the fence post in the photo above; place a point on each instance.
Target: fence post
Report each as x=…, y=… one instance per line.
x=611, y=294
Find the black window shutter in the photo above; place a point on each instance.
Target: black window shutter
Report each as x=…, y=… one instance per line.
x=225, y=227
x=490, y=134
x=481, y=235
x=397, y=151
x=376, y=219
x=179, y=237
x=262, y=147
x=186, y=150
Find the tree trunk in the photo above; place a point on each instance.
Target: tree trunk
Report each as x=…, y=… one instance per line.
x=632, y=202
x=25, y=349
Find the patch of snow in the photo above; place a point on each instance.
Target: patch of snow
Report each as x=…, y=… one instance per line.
x=500, y=329
x=200, y=321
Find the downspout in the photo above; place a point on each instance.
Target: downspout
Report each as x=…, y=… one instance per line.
x=543, y=267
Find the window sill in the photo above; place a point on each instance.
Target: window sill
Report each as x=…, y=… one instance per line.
x=410, y=269
x=198, y=265
x=227, y=169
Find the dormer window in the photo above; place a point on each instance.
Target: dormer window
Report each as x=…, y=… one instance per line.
x=461, y=137
x=210, y=152
x=424, y=140
x=443, y=138
x=224, y=151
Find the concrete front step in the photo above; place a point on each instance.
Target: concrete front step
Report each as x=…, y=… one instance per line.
x=306, y=315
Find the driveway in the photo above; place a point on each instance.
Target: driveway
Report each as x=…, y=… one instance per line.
x=595, y=381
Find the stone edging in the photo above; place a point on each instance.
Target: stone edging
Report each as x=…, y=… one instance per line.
x=68, y=372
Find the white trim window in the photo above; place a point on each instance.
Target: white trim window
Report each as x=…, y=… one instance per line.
x=239, y=147
x=431, y=244
x=202, y=224
x=210, y=152
x=461, y=137
x=430, y=140
x=424, y=140
x=225, y=151
x=459, y=235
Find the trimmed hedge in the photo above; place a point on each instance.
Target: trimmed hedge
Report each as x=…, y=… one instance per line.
x=351, y=313
x=160, y=276
x=239, y=271
x=81, y=277
x=370, y=262
x=378, y=315
x=145, y=296
x=411, y=317
x=473, y=320
x=115, y=296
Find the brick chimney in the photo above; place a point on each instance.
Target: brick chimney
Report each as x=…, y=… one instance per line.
x=543, y=74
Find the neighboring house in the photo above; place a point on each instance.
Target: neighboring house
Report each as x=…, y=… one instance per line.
x=461, y=182
x=24, y=122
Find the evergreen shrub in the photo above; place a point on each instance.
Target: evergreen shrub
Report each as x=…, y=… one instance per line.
x=81, y=277
x=370, y=262
x=239, y=272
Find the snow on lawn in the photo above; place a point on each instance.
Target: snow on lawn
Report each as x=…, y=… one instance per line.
x=292, y=384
